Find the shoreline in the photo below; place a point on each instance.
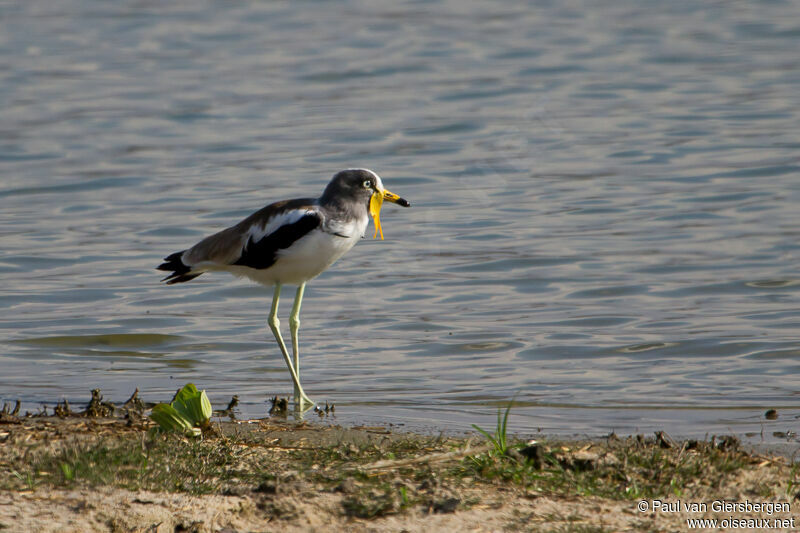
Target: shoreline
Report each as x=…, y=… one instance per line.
x=748, y=423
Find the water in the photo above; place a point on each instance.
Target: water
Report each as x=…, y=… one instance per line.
x=605, y=217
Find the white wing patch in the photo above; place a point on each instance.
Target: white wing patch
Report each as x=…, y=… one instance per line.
x=256, y=232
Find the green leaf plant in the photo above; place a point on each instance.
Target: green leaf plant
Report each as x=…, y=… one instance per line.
x=189, y=412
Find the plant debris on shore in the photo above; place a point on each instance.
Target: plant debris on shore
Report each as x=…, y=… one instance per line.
x=81, y=472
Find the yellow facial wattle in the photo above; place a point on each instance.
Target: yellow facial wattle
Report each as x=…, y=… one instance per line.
x=375, y=203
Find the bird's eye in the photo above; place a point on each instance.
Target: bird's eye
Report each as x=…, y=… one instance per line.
x=367, y=184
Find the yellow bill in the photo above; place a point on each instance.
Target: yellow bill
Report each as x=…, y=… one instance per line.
x=375, y=203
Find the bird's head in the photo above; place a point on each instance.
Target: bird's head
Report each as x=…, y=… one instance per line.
x=365, y=187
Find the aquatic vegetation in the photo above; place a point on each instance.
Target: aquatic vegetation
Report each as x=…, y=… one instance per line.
x=188, y=413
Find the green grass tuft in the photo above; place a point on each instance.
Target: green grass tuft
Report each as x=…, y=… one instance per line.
x=499, y=440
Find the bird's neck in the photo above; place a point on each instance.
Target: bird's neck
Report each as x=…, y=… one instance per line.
x=345, y=211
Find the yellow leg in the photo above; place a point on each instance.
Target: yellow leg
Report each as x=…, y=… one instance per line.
x=294, y=326
x=275, y=325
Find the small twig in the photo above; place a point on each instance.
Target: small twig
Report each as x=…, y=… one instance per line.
x=275, y=446
x=435, y=458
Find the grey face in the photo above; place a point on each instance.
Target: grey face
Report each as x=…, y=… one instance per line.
x=352, y=185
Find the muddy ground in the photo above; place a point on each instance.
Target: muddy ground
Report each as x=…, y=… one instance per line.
x=82, y=473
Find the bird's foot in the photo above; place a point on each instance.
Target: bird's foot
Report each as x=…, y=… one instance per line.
x=302, y=401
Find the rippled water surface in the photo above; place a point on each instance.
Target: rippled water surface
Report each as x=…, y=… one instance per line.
x=606, y=212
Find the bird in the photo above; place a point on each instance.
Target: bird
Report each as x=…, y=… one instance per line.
x=290, y=242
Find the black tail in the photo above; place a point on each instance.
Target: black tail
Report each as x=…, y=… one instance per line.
x=180, y=272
